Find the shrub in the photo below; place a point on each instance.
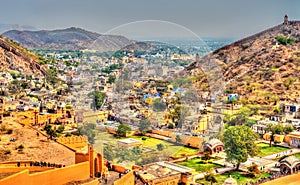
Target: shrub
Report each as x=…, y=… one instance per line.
x=6, y=152
x=9, y=131
x=160, y=147
x=285, y=41
x=68, y=135
x=170, y=126
x=60, y=129
x=68, y=107
x=143, y=138
x=20, y=147
x=253, y=169
x=6, y=114
x=2, y=128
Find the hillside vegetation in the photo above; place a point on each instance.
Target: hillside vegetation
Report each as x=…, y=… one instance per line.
x=262, y=69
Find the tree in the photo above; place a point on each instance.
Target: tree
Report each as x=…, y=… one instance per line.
x=124, y=154
x=178, y=139
x=123, y=129
x=15, y=87
x=159, y=105
x=179, y=114
x=210, y=177
x=278, y=128
x=98, y=98
x=182, y=82
x=60, y=129
x=145, y=125
x=88, y=130
x=239, y=143
x=288, y=128
x=276, y=109
x=160, y=147
x=206, y=156
x=288, y=82
x=191, y=95
x=274, y=129
x=136, y=150
x=170, y=126
x=109, y=152
x=241, y=117
x=253, y=169
x=111, y=79
x=52, y=133
x=153, y=157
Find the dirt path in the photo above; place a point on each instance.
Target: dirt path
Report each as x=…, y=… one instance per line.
x=36, y=148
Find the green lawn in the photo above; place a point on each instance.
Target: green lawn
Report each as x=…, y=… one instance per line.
x=297, y=155
x=265, y=149
x=241, y=180
x=197, y=164
x=175, y=150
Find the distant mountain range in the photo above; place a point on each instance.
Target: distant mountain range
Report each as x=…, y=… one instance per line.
x=7, y=27
x=68, y=39
x=263, y=68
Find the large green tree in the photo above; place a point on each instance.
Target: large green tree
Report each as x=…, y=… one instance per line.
x=239, y=143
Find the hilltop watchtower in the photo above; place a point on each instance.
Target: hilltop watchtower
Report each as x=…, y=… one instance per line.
x=197, y=57
x=286, y=20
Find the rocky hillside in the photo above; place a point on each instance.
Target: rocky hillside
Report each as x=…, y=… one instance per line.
x=141, y=46
x=263, y=68
x=14, y=58
x=68, y=39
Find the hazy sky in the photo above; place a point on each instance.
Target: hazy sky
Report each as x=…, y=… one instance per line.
x=209, y=18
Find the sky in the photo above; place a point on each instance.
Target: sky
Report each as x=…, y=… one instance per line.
x=152, y=18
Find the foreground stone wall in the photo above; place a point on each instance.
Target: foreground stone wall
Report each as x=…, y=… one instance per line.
x=75, y=172
x=127, y=179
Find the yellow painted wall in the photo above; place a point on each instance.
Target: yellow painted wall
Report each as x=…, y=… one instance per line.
x=19, y=169
x=62, y=175
x=267, y=136
x=186, y=140
x=192, y=141
x=74, y=142
x=21, y=178
x=277, y=138
x=202, y=124
x=93, y=182
x=56, y=176
x=119, y=168
x=127, y=179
